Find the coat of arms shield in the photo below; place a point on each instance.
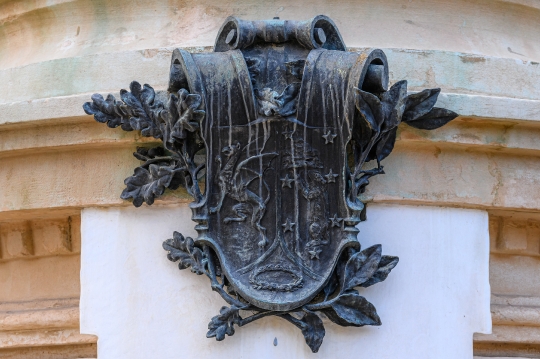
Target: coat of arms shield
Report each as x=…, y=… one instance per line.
x=275, y=134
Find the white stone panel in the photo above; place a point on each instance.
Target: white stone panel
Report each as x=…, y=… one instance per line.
x=141, y=306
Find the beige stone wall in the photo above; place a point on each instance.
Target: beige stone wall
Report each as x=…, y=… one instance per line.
x=54, y=160
x=39, y=281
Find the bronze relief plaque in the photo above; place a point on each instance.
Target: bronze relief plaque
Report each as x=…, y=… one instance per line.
x=275, y=134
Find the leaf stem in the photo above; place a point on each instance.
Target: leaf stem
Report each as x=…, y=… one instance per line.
x=321, y=305
x=358, y=167
x=254, y=317
x=156, y=159
x=297, y=322
x=216, y=286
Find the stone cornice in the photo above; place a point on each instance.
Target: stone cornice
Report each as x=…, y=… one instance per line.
x=64, y=313
x=63, y=109
x=454, y=72
x=39, y=323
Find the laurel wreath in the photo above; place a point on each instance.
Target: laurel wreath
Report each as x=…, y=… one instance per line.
x=259, y=284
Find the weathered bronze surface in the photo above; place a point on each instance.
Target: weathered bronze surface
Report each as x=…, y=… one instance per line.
x=284, y=127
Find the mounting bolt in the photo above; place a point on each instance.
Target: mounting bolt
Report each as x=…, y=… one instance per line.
x=319, y=35
x=231, y=37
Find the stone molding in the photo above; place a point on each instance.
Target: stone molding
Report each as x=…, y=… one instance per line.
x=44, y=314
x=47, y=245
x=41, y=323
x=516, y=328
x=64, y=109
x=515, y=238
x=39, y=238
x=511, y=334
x=519, y=236
x=454, y=72
x=511, y=315
x=501, y=154
x=39, y=338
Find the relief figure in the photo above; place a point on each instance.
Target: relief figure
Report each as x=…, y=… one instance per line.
x=314, y=192
x=234, y=179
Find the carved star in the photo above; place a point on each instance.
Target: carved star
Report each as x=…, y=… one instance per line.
x=331, y=177
x=314, y=253
x=288, y=226
x=288, y=135
x=329, y=137
x=287, y=182
x=336, y=221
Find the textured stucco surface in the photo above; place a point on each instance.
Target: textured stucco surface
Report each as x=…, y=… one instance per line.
x=430, y=305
